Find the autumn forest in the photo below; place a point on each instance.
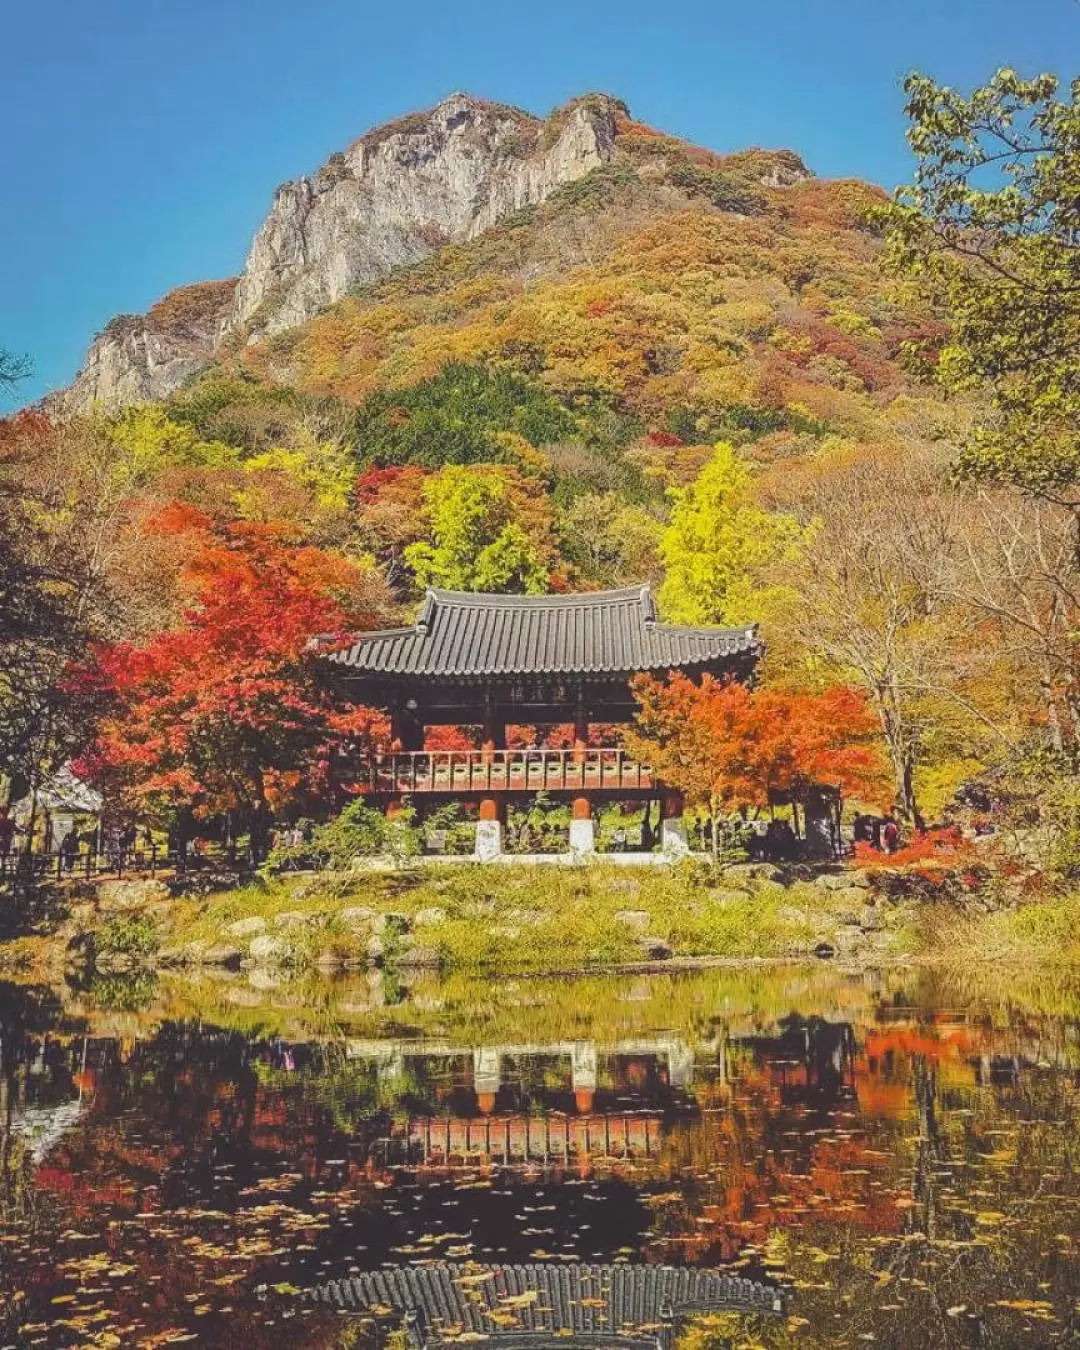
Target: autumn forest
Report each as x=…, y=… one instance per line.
x=778, y=400
x=540, y=720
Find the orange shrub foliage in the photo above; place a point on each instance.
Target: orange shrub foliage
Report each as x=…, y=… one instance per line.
x=941, y=849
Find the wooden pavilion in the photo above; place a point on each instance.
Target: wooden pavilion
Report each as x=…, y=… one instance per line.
x=491, y=661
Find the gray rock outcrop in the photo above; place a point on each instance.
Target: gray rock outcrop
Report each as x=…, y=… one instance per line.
x=139, y=358
x=392, y=198
x=404, y=190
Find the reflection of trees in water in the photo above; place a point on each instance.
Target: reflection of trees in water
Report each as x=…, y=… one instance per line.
x=952, y=1193
x=931, y=1148
x=24, y=1016
x=988, y=1251
x=916, y=1227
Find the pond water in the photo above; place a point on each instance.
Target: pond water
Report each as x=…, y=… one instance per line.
x=892, y=1158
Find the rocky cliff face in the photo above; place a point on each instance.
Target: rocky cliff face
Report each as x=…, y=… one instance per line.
x=392, y=198
x=138, y=358
x=405, y=190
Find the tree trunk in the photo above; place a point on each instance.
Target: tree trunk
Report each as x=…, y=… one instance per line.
x=1053, y=715
x=901, y=752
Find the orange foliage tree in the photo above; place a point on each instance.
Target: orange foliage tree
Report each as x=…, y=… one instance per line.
x=726, y=746
x=230, y=709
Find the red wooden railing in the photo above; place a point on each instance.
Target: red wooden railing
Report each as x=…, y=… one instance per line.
x=456, y=771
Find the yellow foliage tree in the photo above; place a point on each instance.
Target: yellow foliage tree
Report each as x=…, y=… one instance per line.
x=718, y=545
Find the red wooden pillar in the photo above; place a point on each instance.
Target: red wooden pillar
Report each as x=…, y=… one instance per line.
x=494, y=733
x=581, y=733
x=581, y=808
x=583, y=1100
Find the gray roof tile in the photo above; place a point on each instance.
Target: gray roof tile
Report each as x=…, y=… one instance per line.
x=602, y=632
x=581, y=1299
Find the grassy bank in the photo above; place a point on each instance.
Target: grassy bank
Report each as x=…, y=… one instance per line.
x=1046, y=931
x=539, y=918
x=521, y=919
x=531, y=920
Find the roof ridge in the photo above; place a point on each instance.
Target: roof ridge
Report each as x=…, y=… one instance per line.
x=471, y=634
x=364, y=634
x=556, y=600
x=708, y=630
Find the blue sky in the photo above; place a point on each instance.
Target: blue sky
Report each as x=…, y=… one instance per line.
x=142, y=139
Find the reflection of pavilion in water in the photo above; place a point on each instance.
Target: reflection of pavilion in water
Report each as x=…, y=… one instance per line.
x=551, y=1103
x=546, y=1304
x=520, y=1103
x=444, y=1105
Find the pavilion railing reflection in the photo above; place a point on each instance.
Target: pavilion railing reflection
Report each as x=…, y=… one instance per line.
x=556, y=1104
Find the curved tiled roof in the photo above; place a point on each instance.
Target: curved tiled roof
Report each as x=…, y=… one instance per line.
x=577, y=1300
x=601, y=632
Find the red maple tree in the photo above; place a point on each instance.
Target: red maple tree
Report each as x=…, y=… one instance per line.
x=231, y=708
x=726, y=746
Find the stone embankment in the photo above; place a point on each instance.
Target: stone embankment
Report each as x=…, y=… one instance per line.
x=335, y=923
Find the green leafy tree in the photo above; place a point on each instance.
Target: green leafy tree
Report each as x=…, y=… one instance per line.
x=718, y=544
x=324, y=469
x=477, y=544
x=456, y=417
x=145, y=441
x=990, y=230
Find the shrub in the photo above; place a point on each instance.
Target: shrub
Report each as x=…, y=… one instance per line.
x=360, y=831
x=941, y=848
x=133, y=935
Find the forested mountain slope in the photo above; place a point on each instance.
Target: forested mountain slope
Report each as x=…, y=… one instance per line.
x=487, y=352
x=623, y=271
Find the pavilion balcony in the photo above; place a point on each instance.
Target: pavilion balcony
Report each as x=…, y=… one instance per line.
x=487, y=771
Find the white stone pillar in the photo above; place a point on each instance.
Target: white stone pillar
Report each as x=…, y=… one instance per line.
x=680, y=1060
x=582, y=837
x=487, y=1070
x=583, y=1066
x=489, y=840
x=673, y=841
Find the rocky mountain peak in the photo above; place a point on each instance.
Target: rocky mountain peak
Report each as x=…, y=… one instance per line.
x=138, y=358
x=404, y=189
x=388, y=200
x=391, y=198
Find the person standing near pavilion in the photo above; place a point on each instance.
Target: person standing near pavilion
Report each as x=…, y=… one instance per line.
x=69, y=848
